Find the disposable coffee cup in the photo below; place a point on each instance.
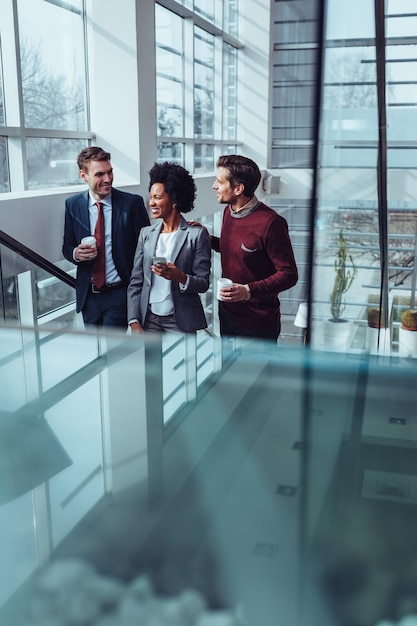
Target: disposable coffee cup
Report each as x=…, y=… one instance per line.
x=221, y=283
x=91, y=241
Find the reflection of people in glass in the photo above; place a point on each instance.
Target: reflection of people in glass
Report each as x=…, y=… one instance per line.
x=256, y=253
x=163, y=295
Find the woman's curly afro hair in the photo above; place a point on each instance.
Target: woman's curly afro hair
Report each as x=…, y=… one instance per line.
x=178, y=184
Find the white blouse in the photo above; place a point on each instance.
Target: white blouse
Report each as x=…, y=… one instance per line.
x=160, y=298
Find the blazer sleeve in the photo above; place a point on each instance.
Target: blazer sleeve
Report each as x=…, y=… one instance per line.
x=70, y=241
x=135, y=286
x=201, y=262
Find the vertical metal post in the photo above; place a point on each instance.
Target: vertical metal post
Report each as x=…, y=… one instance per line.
x=191, y=366
x=26, y=296
x=382, y=156
x=413, y=278
x=154, y=418
x=26, y=292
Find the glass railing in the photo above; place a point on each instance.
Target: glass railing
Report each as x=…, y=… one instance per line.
x=285, y=494
x=33, y=290
x=30, y=292
x=360, y=492
x=34, y=296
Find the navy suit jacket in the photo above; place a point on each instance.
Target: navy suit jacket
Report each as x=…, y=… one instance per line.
x=192, y=255
x=129, y=215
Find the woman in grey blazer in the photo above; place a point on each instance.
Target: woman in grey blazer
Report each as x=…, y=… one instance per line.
x=172, y=260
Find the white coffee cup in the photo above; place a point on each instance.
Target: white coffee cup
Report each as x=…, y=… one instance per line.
x=91, y=241
x=221, y=283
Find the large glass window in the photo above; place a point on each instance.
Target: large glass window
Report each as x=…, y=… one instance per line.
x=295, y=64
x=52, y=59
x=206, y=9
x=52, y=162
x=218, y=12
x=170, y=73
x=2, y=116
x=230, y=92
x=196, y=84
x=203, y=83
x=4, y=169
x=43, y=97
x=4, y=164
x=350, y=129
x=4, y=174
x=365, y=271
x=230, y=17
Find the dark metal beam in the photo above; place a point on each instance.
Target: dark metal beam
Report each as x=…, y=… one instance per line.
x=380, y=45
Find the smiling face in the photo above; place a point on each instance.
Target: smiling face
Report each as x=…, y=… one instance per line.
x=160, y=203
x=99, y=178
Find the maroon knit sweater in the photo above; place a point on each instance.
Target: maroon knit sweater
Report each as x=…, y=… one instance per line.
x=256, y=250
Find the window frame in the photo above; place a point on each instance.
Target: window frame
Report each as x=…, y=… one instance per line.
x=14, y=131
x=190, y=143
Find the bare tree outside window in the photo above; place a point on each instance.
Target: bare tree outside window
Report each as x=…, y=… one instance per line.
x=51, y=99
x=53, y=75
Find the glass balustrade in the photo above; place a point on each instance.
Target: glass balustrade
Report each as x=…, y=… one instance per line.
x=285, y=494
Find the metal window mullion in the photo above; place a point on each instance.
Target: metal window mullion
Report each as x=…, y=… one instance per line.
x=16, y=131
x=11, y=64
x=87, y=93
x=188, y=68
x=21, y=147
x=188, y=90
x=58, y=134
x=64, y=5
x=218, y=88
x=200, y=21
x=191, y=366
x=13, y=95
x=219, y=13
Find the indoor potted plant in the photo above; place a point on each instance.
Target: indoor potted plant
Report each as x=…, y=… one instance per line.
x=337, y=329
x=407, y=338
x=378, y=336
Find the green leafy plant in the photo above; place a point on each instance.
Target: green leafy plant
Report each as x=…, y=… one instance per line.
x=345, y=275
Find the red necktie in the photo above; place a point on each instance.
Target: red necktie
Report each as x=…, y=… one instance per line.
x=99, y=271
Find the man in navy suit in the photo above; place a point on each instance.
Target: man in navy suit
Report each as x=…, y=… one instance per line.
x=124, y=216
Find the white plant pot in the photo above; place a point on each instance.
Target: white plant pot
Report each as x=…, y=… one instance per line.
x=407, y=342
x=371, y=340
x=336, y=335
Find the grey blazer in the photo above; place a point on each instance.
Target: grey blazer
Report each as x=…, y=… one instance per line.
x=192, y=255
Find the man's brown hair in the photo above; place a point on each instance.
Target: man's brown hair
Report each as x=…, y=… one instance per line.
x=241, y=170
x=92, y=153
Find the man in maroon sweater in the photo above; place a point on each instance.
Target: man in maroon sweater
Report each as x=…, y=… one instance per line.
x=256, y=253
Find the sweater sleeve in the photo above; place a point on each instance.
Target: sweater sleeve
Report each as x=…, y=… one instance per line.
x=215, y=243
x=280, y=252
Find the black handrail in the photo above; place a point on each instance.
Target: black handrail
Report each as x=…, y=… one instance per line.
x=34, y=257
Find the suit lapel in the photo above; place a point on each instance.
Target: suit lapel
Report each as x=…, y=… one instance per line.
x=115, y=213
x=153, y=238
x=179, y=242
x=180, y=238
x=84, y=212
